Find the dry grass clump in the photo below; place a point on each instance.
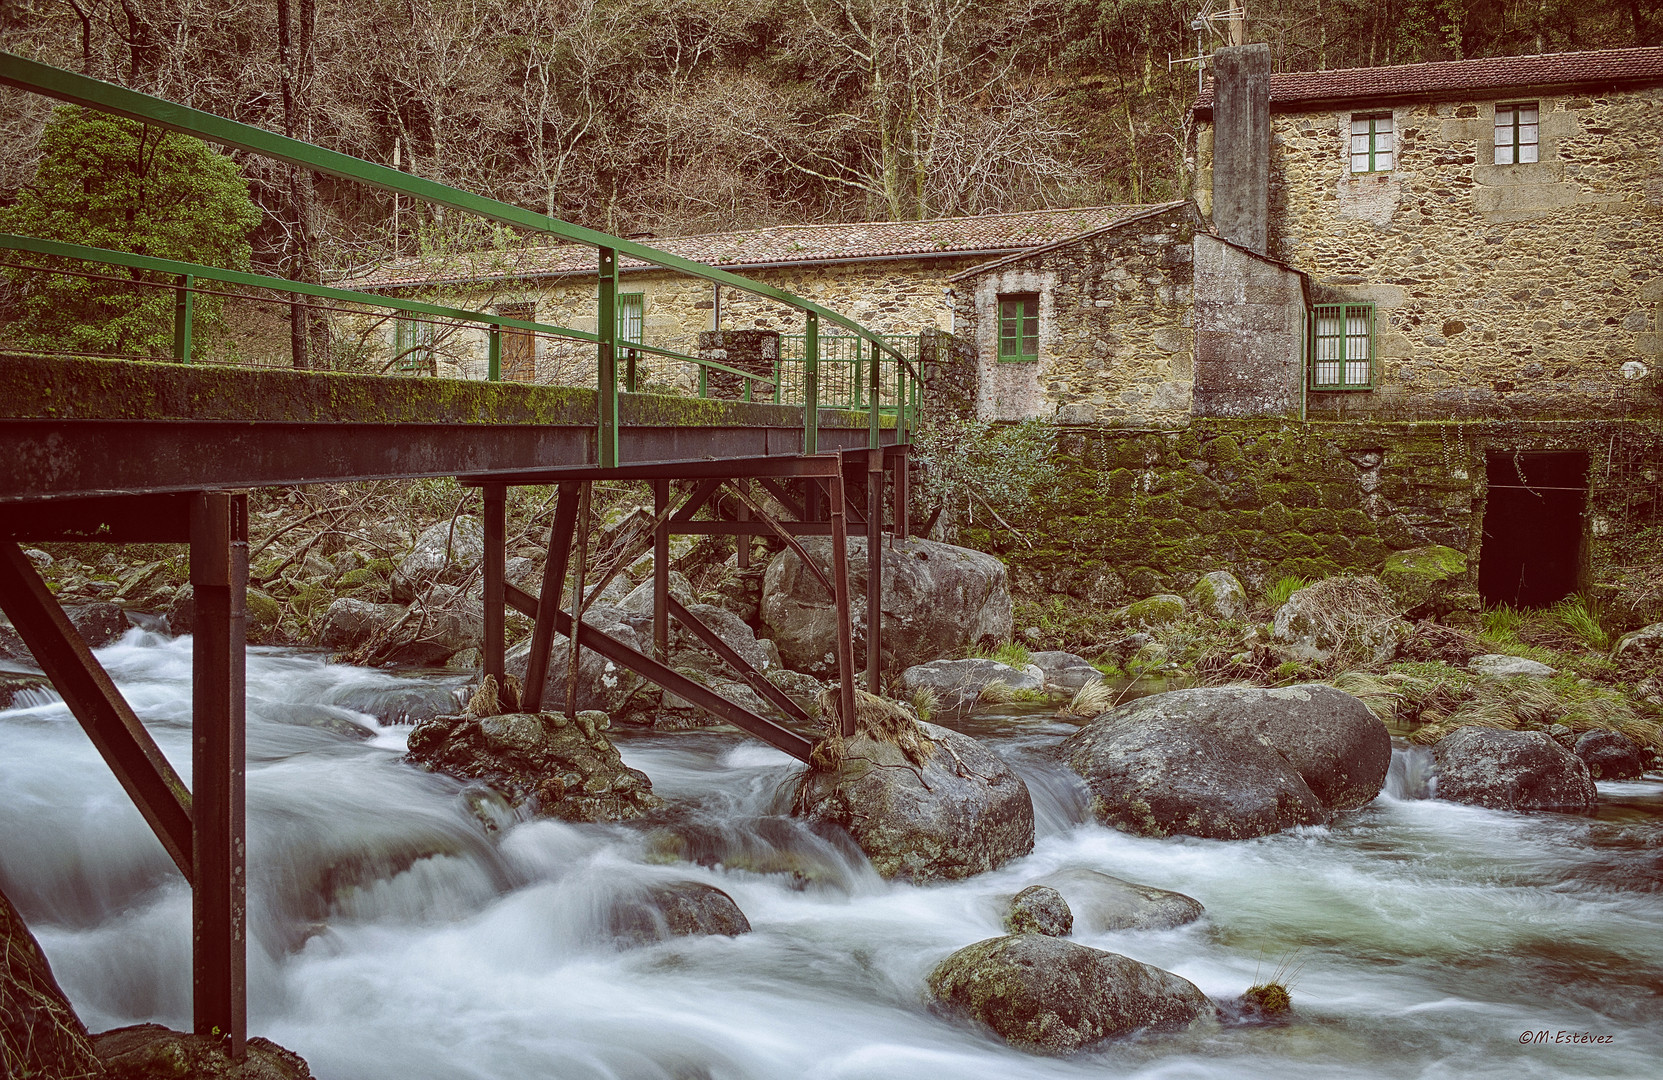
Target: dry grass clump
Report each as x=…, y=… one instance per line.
x=1431, y=700
x=877, y=718
x=1092, y=700
x=1349, y=611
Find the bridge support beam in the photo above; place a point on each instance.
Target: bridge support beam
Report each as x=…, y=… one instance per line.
x=219, y=894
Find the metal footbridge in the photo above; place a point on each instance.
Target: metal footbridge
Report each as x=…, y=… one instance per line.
x=120, y=451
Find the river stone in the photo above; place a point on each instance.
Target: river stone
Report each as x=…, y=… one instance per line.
x=1231, y=762
x=1157, y=610
x=937, y=601
x=1104, y=903
x=1051, y=996
x=1300, y=632
x=98, y=624
x=688, y=651
x=1421, y=579
x=1646, y=641
x=349, y=622
x=958, y=684
x=1219, y=595
x=1501, y=666
x=568, y=768
x=441, y=552
x=639, y=599
x=1511, y=770
x=153, y=1052
x=1039, y=909
x=1063, y=672
x=601, y=683
x=40, y=1035
x=676, y=909
x=430, y=632
x=1610, y=755
x=964, y=811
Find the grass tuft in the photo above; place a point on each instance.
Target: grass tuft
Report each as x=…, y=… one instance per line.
x=1278, y=594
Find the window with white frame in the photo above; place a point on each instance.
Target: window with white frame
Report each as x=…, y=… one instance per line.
x=1372, y=147
x=1342, y=347
x=1516, y=133
x=413, y=344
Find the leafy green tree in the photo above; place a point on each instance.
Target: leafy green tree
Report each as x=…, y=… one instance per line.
x=114, y=183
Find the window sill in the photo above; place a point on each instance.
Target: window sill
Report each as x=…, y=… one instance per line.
x=1018, y=359
x=1340, y=389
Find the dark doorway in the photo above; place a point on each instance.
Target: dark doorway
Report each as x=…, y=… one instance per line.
x=1532, y=553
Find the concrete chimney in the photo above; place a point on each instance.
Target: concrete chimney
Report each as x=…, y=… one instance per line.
x=1241, y=145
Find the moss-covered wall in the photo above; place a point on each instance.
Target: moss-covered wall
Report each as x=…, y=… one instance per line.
x=1136, y=514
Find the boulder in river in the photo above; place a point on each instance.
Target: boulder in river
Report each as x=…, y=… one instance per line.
x=666, y=909
x=958, y=684
x=40, y=1035
x=937, y=600
x=1039, y=909
x=1063, y=672
x=942, y=807
x=567, y=768
x=1102, y=902
x=1512, y=770
x=1610, y=755
x=1051, y=996
x=153, y=1052
x=1231, y=762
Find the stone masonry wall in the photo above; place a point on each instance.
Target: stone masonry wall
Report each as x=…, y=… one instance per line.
x=1502, y=290
x=1115, y=328
x=1137, y=514
x=905, y=296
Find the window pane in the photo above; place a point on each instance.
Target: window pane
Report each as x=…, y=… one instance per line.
x=1356, y=372
x=1383, y=124
x=1030, y=346
x=1359, y=127
x=1504, y=154
x=1360, y=144
x=1328, y=374
x=1527, y=114
x=1383, y=161
x=1527, y=153
x=1527, y=134
x=1383, y=140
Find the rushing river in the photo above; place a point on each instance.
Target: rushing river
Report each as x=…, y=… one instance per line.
x=394, y=936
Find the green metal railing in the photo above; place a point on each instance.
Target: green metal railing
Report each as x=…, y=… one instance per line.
x=76, y=89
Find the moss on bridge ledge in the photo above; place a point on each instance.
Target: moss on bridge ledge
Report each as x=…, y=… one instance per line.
x=58, y=388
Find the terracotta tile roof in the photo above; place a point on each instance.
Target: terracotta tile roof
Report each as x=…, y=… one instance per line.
x=1496, y=74
x=988, y=234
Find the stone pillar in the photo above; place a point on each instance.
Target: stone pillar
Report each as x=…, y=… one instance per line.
x=1241, y=145
x=947, y=365
x=756, y=351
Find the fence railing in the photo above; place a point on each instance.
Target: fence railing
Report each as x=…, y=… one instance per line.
x=184, y=277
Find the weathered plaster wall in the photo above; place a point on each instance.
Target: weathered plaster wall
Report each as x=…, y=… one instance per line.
x=1115, y=328
x=1502, y=290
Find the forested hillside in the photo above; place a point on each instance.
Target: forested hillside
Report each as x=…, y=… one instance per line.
x=681, y=116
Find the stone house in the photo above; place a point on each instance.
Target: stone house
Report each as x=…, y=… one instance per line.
x=1407, y=305
x=892, y=277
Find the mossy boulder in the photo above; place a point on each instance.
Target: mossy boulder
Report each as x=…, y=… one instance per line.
x=666, y=909
x=960, y=811
x=1610, y=755
x=1055, y=997
x=564, y=768
x=1039, y=909
x=263, y=613
x=1512, y=770
x=1421, y=579
x=1219, y=595
x=153, y=1052
x=1157, y=610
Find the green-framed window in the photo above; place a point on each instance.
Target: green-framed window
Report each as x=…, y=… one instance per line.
x=413, y=345
x=1373, y=148
x=632, y=309
x=1517, y=133
x=1342, y=347
x=1018, y=327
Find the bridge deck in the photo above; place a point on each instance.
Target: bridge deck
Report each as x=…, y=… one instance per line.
x=75, y=428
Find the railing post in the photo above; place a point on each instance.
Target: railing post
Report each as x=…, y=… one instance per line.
x=606, y=315
x=493, y=355
x=811, y=385
x=629, y=369
x=873, y=391
x=183, y=303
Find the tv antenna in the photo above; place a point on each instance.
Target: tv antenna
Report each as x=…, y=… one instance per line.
x=1207, y=21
